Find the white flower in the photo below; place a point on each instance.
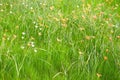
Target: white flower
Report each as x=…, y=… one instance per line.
x=34, y=22
x=8, y=38
x=77, y=6
x=40, y=28
x=10, y=12
x=36, y=26
x=22, y=47
x=23, y=33
x=23, y=3
x=31, y=8
x=1, y=10
x=1, y=4
x=22, y=37
x=33, y=45
x=35, y=50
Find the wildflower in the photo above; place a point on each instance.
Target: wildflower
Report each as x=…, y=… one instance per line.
x=56, y=19
x=34, y=22
x=110, y=38
x=35, y=50
x=23, y=33
x=36, y=26
x=78, y=6
x=95, y=17
x=83, y=16
x=52, y=7
x=8, y=38
x=59, y=40
x=22, y=37
x=17, y=27
x=44, y=4
x=87, y=37
x=40, y=3
x=106, y=50
x=118, y=37
x=64, y=25
x=64, y=20
x=32, y=38
x=1, y=10
x=14, y=36
x=39, y=33
x=23, y=3
x=99, y=75
x=4, y=37
x=31, y=8
x=82, y=29
x=105, y=58
x=40, y=29
x=11, y=12
x=1, y=4
x=28, y=44
x=80, y=53
x=22, y=47
x=33, y=45
x=111, y=31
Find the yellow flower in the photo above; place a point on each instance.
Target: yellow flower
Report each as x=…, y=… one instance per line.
x=59, y=40
x=51, y=7
x=105, y=58
x=99, y=75
x=87, y=37
x=107, y=50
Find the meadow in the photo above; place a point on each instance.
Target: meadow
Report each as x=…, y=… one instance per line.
x=59, y=39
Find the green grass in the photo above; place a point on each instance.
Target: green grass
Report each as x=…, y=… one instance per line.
x=59, y=40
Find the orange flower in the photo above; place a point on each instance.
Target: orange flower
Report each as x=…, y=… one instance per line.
x=95, y=17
